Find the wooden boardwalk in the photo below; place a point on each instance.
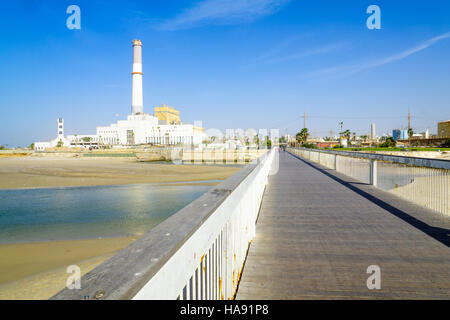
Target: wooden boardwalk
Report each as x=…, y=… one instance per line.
x=319, y=230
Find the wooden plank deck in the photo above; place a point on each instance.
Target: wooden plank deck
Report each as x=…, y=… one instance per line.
x=319, y=230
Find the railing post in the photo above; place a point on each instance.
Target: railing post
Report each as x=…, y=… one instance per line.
x=373, y=172
x=335, y=162
x=319, y=156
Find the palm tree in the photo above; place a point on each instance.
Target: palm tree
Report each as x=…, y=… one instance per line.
x=410, y=134
x=346, y=134
x=302, y=136
x=340, y=133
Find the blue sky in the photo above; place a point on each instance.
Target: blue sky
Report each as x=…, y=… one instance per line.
x=230, y=63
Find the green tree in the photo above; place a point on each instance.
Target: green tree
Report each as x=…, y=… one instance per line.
x=59, y=144
x=32, y=146
x=302, y=136
x=268, y=142
x=309, y=145
x=346, y=134
x=446, y=144
x=389, y=143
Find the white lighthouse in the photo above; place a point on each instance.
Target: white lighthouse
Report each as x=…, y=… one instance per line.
x=137, y=100
x=60, y=128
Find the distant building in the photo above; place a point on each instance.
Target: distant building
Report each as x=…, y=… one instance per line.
x=288, y=138
x=167, y=115
x=373, y=134
x=422, y=135
x=400, y=134
x=327, y=144
x=344, y=142
x=59, y=140
x=444, y=129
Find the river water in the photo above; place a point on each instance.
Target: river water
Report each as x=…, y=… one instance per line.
x=89, y=212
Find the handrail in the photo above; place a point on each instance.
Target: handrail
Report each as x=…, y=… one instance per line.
x=423, y=181
x=412, y=161
x=197, y=253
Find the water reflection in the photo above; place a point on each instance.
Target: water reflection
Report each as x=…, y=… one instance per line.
x=89, y=212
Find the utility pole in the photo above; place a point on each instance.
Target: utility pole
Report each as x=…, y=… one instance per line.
x=304, y=119
x=409, y=128
x=409, y=119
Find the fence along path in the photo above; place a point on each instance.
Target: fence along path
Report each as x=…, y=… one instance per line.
x=318, y=231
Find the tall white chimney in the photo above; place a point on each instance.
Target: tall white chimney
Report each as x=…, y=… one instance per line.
x=137, y=100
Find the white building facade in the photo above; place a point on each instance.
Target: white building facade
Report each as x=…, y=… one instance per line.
x=146, y=129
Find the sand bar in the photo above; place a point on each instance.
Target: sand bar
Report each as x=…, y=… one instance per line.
x=44, y=172
x=38, y=270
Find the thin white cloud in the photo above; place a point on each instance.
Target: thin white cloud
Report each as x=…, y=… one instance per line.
x=354, y=68
x=277, y=48
x=311, y=52
x=223, y=12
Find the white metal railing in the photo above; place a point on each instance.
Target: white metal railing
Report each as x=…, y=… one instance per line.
x=210, y=262
x=197, y=253
x=425, y=182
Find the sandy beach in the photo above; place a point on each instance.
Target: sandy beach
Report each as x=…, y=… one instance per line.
x=38, y=270
x=36, y=172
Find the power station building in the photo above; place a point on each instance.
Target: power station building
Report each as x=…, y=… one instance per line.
x=167, y=114
x=148, y=129
x=162, y=128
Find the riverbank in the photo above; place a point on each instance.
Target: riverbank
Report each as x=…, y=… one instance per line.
x=50, y=172
x=38, y=270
